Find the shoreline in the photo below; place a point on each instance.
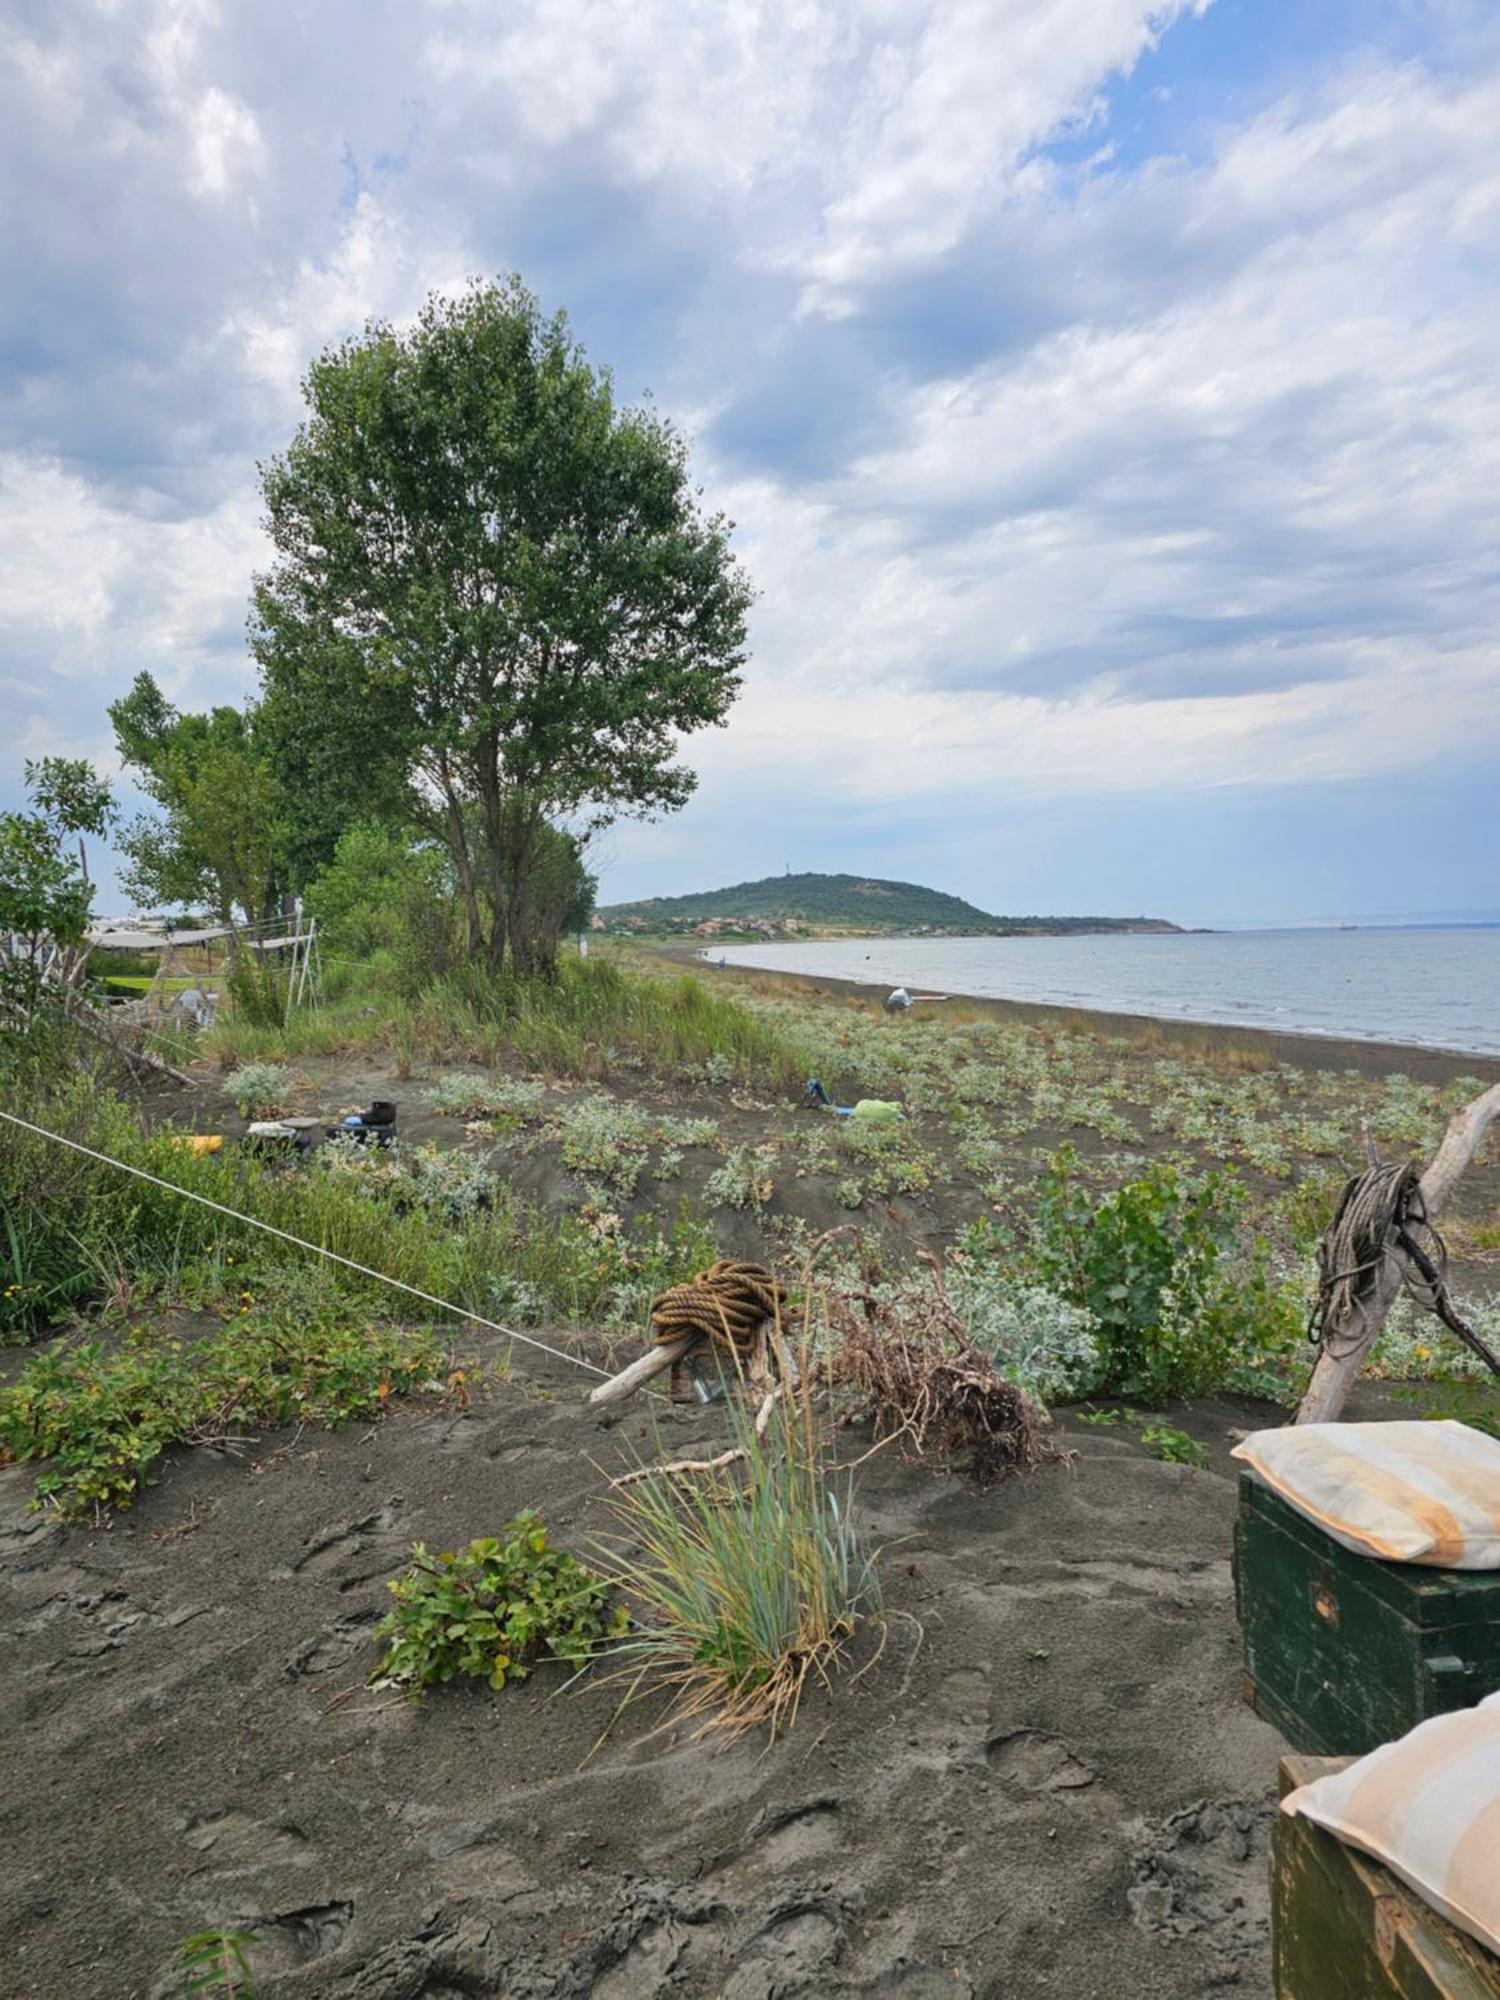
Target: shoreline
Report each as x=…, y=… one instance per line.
x=1421, y=1062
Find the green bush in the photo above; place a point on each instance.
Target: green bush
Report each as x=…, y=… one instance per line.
x=493, y=1609
x=1182, y=1303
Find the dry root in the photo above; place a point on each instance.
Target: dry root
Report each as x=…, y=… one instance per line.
x=921, y=1378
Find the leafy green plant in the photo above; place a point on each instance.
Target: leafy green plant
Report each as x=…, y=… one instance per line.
x=747, y=1582
x=1181, y=1303
x=215, y=1962
x=260, y=1089
x=102, y=1419
x=1172, y=1446
x=492, y=1610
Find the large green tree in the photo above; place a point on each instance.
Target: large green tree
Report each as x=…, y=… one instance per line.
x=498, y=588
x=220, y=838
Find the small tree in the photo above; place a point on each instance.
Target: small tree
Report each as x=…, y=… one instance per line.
x=500, y=585
x=45, y=893
x=219, y=838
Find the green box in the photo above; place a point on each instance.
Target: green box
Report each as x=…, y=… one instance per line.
x=1344, y=1653
x=1344, y=1928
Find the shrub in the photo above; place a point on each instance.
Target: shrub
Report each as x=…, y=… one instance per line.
x=749, y=1581
x=489, y=1097
x=606, y=1139
x=1182, y=1305
x=743, y=1181
x=104, y=1419
x=260, y=1089
x=492, y=1610
x=1036, y=1338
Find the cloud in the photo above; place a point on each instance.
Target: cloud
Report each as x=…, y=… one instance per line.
x=1064, y=468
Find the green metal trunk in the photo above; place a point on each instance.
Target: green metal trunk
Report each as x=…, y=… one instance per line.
x=1344, y=1653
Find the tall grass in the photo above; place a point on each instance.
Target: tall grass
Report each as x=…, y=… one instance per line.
x=579, y=1024
x=747, y=1581
x=64, y=1213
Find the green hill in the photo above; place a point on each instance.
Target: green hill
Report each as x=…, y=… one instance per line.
x=845, y=903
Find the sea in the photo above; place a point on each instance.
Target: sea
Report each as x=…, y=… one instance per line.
x=1433, y=986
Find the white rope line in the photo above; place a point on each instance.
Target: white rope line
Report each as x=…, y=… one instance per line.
x=317, y=1249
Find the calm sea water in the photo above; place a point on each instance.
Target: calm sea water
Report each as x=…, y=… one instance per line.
x=1436, y=987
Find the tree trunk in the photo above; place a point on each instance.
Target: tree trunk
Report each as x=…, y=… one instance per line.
x=1335, y=1374
x=457, y=843
x=520, y=918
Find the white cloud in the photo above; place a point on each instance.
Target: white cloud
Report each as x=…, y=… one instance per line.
x=1176, y=472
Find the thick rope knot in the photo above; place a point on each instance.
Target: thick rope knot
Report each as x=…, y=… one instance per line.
x=1382, y=1213
x=726, y=1304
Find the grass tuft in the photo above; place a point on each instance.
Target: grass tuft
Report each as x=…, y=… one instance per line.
x=746, y=1582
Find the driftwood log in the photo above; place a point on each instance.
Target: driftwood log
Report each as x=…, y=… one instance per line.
x=1346, y=1347
x=655, y=1361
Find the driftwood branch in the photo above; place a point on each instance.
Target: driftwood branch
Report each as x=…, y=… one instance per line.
x=655, y=1361
x=1345, y=1347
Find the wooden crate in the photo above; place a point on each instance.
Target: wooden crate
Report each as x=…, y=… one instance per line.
x=1344, y=1928
x=1344, y=1653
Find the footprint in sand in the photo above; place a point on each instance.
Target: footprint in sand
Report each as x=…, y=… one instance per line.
x=1032, y=1761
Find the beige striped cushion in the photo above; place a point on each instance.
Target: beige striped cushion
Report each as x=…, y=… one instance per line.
x=1429, y=1808
x=1406, y=1492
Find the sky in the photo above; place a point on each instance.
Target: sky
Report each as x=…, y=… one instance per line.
x=1106, y=393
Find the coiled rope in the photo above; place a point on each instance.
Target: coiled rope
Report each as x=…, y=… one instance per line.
x=726, y=1304
x=1381, y=1213
x=315, y=1249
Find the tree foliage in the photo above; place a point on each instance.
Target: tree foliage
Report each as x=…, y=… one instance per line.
x=219, y=839
x=45, y=894
x=496, y=589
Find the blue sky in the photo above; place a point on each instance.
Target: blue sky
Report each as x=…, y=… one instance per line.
x=1107, y=393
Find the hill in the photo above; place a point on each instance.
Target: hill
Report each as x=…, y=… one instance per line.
x=856, y=903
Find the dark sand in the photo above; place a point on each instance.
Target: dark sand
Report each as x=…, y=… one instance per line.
x=1059, y=1792
x=1047, y=1785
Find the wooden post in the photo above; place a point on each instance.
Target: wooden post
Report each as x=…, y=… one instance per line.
x=1336, y=1373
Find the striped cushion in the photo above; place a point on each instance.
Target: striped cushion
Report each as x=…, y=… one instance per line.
x=1429, y=1808
x=1406, y=1492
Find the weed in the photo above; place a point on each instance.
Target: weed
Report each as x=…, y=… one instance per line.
x=260, y=1089
x=1172, y=1446
x=492, y=1610
x=215, y=1962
